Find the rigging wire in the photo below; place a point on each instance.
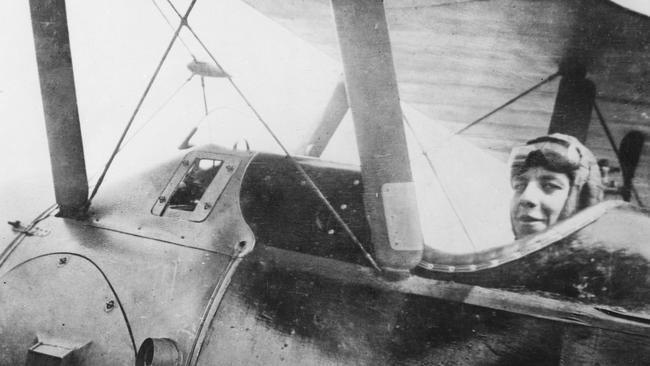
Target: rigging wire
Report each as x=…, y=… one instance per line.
x=142, y=98
x=155, y=113
x=174, y=8
x=442, y=185
x=460, y=131
x=610, y=137
x=297, y=165
x=173, y=28
x=517, y=97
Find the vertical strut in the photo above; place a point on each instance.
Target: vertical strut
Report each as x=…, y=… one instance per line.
x=371, y=85
x=574, y=103
x=330, y=120
x=50, y=26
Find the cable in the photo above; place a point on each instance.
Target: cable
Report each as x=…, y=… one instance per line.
x=155, y=113
x=137, y=108
x=108, y=282
x=463, y=129
x=172, y=27
x=442, y=185
x=297, y=165
x=610, y=137
x=527, y=91
x=174, y=8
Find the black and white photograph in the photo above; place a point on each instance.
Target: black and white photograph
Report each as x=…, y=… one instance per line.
x=324, y=182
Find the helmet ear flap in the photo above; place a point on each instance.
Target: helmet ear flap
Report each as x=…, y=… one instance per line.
x=592, y=191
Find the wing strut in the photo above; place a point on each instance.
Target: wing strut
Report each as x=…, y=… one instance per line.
x=330, y=120
x=371, y=85
x=50, y=26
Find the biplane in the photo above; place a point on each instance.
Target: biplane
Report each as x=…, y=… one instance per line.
x=402, y=254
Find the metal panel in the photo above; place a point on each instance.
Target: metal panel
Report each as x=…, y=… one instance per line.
x=402, y=221
x=126, y=207
x=164, y=290
x=61, y=297
x=209, y=197
x=288, y=308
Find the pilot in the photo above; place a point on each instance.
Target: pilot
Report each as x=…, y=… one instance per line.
x=553, y=177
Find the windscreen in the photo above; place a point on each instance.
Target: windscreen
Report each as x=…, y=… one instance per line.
x=190, y=190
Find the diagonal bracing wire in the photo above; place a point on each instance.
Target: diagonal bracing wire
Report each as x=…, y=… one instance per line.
x=173, y=28
x=142, y=98
x=155, y=113
x=463, y=129
x=442, y=184
x=295, y=163
x=514, y=99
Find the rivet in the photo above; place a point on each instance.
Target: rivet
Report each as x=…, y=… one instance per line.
x=344, y=206
x=206, y=205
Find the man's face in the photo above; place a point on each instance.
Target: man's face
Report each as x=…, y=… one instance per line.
x=539, y=197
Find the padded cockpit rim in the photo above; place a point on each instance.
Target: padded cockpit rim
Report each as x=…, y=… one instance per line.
x=439, y=261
